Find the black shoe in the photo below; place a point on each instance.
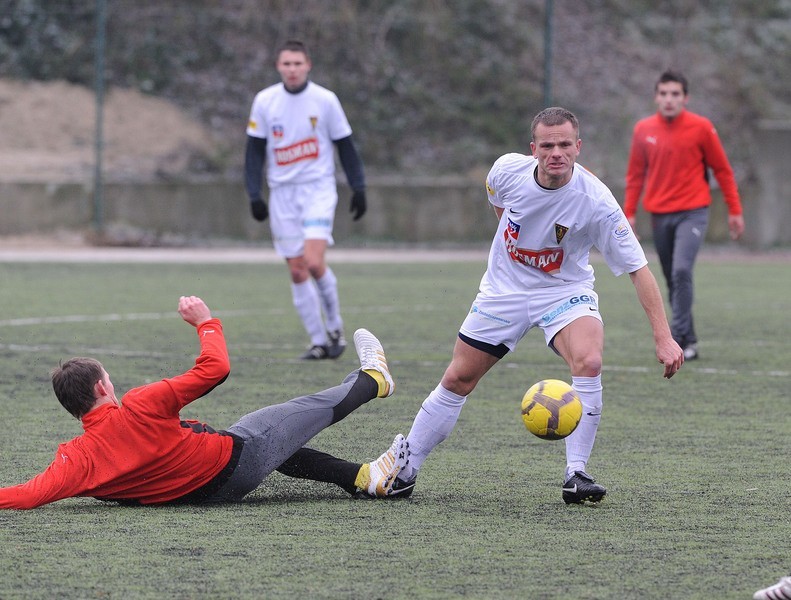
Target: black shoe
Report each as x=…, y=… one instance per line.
x=581, y=487
x=691, y=352
x=337, y=343
x=401, y=489
x=316, y=352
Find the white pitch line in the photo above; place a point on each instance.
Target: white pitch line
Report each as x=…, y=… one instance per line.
x=21, y=322
x=22, y=348
x=685, y=369
x=157, y=316
x=381, y=309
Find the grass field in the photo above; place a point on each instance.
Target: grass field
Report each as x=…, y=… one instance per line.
x=697, y=467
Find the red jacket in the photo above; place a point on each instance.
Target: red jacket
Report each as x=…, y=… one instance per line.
x=669, y=159
x=141, y=450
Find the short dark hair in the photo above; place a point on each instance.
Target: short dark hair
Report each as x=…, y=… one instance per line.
x=554, y=115
x=294, y=46
x=73, y=382
x=671, y=75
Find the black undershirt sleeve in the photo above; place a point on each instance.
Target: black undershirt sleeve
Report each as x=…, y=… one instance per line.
x=352, y=163
x=254, y=157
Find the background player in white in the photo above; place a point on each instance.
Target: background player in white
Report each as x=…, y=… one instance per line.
x=551, y=212
x=292, y=127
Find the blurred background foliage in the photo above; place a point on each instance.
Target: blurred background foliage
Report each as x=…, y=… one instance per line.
x=430, y=86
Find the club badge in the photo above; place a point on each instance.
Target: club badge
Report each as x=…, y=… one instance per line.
x=560, y=232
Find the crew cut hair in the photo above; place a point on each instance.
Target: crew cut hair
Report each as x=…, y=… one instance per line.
x=73, y=382
x=552, y=116
x=294, y=46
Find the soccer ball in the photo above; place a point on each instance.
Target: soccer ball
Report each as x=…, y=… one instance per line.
x=551, y=409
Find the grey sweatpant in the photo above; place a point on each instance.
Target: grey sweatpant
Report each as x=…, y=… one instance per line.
x=274, y=433
x=677, y=238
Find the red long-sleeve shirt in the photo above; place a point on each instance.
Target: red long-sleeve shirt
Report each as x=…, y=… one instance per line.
x=140, y=450
x=669, y=159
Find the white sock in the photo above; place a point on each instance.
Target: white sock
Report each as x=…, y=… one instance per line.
x=433, y=424
x=580, y=443
x=328, y=294
x=306, y=301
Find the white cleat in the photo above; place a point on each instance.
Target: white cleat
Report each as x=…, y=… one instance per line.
x=386, y=468
x=372, y=358
x=779, y=591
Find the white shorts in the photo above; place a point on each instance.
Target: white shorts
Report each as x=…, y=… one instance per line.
x=507, y=318
x=300, y=212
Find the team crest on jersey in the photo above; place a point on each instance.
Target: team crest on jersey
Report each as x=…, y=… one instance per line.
x=560, y=232
x=547, y=260
x=313, y=122
x=277, y=131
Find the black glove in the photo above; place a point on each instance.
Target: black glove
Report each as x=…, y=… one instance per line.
x=259, y=210
x=358, y=205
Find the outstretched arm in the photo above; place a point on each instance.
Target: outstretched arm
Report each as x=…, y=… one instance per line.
x=194, y=310
x=212, y=365
x=668, y=352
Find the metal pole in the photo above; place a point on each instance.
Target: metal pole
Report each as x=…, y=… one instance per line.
x=547, y=53
x=98, y=203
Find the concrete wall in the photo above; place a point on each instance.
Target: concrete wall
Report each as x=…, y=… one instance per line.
x=772, y=214
x=426, y=211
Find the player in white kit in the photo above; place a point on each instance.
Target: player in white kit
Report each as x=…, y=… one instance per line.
x=551, y=213
x=293, y=127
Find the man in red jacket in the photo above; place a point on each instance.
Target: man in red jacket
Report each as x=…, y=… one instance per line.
x=671, y=154
x=137, y=450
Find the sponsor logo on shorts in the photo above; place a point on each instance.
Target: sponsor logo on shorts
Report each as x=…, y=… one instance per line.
x=574, y=301
x=305, y=150
x=475, y=310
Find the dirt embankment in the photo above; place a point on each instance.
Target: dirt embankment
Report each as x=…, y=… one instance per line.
x=48, y=133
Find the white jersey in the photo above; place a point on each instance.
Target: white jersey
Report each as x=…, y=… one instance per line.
x=545, y=236
x=299, y=130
